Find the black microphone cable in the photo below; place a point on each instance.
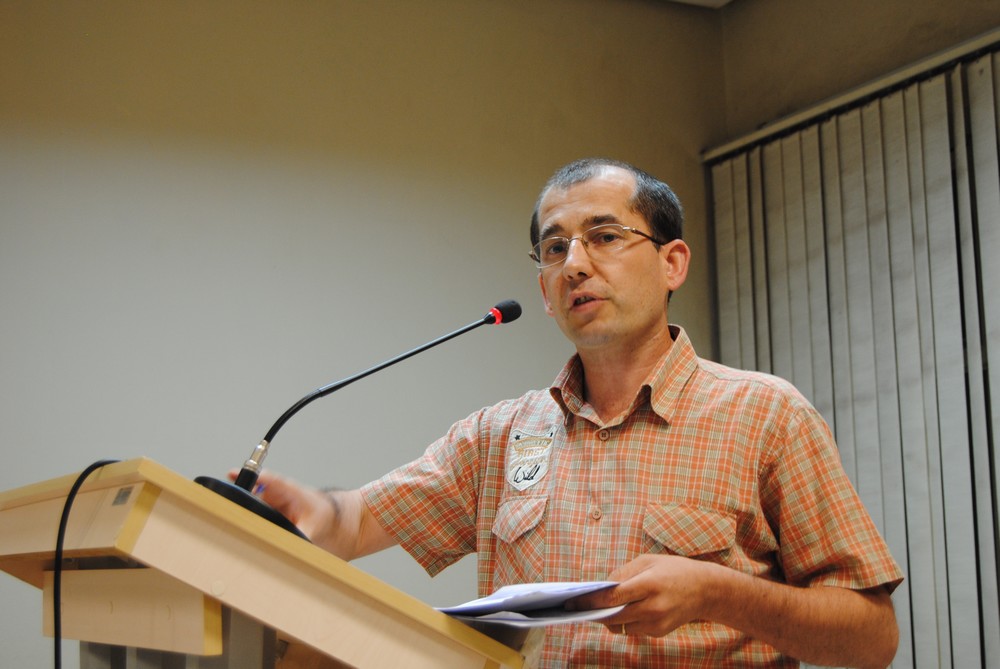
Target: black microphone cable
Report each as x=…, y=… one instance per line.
x=57, y=569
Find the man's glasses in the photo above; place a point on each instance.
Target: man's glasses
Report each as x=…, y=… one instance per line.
x=600, y=242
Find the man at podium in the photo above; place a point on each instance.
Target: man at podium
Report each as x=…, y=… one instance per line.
x=714, y=497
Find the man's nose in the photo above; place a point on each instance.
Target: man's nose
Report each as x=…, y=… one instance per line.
x=577, y=257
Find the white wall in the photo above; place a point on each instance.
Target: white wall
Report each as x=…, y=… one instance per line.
x=209, y=209
x=782, y=56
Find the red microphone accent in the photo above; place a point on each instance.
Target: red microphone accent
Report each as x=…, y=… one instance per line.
x=497, y=316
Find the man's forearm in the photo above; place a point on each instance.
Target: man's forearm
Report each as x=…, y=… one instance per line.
x=820, y=625
x=353, y=531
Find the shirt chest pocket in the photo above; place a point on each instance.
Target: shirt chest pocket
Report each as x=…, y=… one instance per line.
x=520, y=546
x=679, y=529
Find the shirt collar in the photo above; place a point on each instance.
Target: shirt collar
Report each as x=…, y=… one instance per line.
x=662, y=388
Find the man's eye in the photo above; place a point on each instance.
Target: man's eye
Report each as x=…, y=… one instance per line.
x=554, y=248
x=605, y=237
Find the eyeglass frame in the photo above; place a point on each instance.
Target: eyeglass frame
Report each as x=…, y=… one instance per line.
x=534, y=253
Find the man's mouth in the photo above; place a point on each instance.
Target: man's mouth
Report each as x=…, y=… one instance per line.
x=583, y=300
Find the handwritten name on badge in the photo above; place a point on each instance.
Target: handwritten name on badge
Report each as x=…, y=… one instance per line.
x=528, y=458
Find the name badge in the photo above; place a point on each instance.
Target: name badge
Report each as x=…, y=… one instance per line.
x=528, y=458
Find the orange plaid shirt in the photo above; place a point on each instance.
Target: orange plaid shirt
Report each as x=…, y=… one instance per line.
x=710, y=462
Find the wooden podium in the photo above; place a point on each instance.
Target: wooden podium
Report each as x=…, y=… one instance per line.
x=155, y=563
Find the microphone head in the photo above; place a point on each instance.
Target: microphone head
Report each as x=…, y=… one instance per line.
x=504, y=312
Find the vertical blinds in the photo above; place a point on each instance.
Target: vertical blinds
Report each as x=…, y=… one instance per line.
x=859, y=257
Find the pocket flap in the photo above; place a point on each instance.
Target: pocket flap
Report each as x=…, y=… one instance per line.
x=515, y=517
x=688, y=530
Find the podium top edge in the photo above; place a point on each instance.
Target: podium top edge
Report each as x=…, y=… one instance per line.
x=112, y=474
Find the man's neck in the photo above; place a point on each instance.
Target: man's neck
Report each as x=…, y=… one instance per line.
x=613, y=377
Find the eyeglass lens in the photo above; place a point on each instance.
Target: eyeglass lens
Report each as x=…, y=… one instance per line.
x=598, y=241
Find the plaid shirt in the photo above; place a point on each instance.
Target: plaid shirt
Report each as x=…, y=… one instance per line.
x=709, y=462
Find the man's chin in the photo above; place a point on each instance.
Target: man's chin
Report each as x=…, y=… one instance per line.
x=589, y=337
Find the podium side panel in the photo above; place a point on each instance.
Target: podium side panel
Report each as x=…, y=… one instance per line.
x=135, y=607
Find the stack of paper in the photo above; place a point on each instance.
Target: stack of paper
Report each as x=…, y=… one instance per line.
x=532, y=605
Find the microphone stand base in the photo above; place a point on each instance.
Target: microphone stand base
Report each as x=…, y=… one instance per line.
x=252, y=504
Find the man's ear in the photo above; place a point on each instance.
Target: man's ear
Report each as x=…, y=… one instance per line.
x=676, y=258
x=545, y=295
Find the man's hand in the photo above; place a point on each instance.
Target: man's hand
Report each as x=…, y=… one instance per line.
x=307, y=508
x=338, y=521
x=660, y=593
x=820, y=625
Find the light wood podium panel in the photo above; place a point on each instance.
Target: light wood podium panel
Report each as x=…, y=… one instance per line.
x=152, y=560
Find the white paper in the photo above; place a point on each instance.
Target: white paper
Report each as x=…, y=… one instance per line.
x=542, y=617
x=532, y=604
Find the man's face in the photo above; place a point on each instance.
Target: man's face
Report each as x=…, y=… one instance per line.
x=620, y=299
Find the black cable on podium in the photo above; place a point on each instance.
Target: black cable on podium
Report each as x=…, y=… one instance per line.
x=57, y=569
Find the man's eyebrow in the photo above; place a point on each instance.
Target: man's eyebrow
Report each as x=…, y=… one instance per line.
x=553, y=230
x=600, y=219
x=556, y=229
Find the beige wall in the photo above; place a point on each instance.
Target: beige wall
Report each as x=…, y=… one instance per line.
x=782, y=56
x=208, y=209
x=495, y=95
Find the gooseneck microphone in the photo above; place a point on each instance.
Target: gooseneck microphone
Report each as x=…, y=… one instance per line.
x=241, y=490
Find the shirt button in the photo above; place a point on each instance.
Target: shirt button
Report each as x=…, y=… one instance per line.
x=604, y=435
x=596, y=513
